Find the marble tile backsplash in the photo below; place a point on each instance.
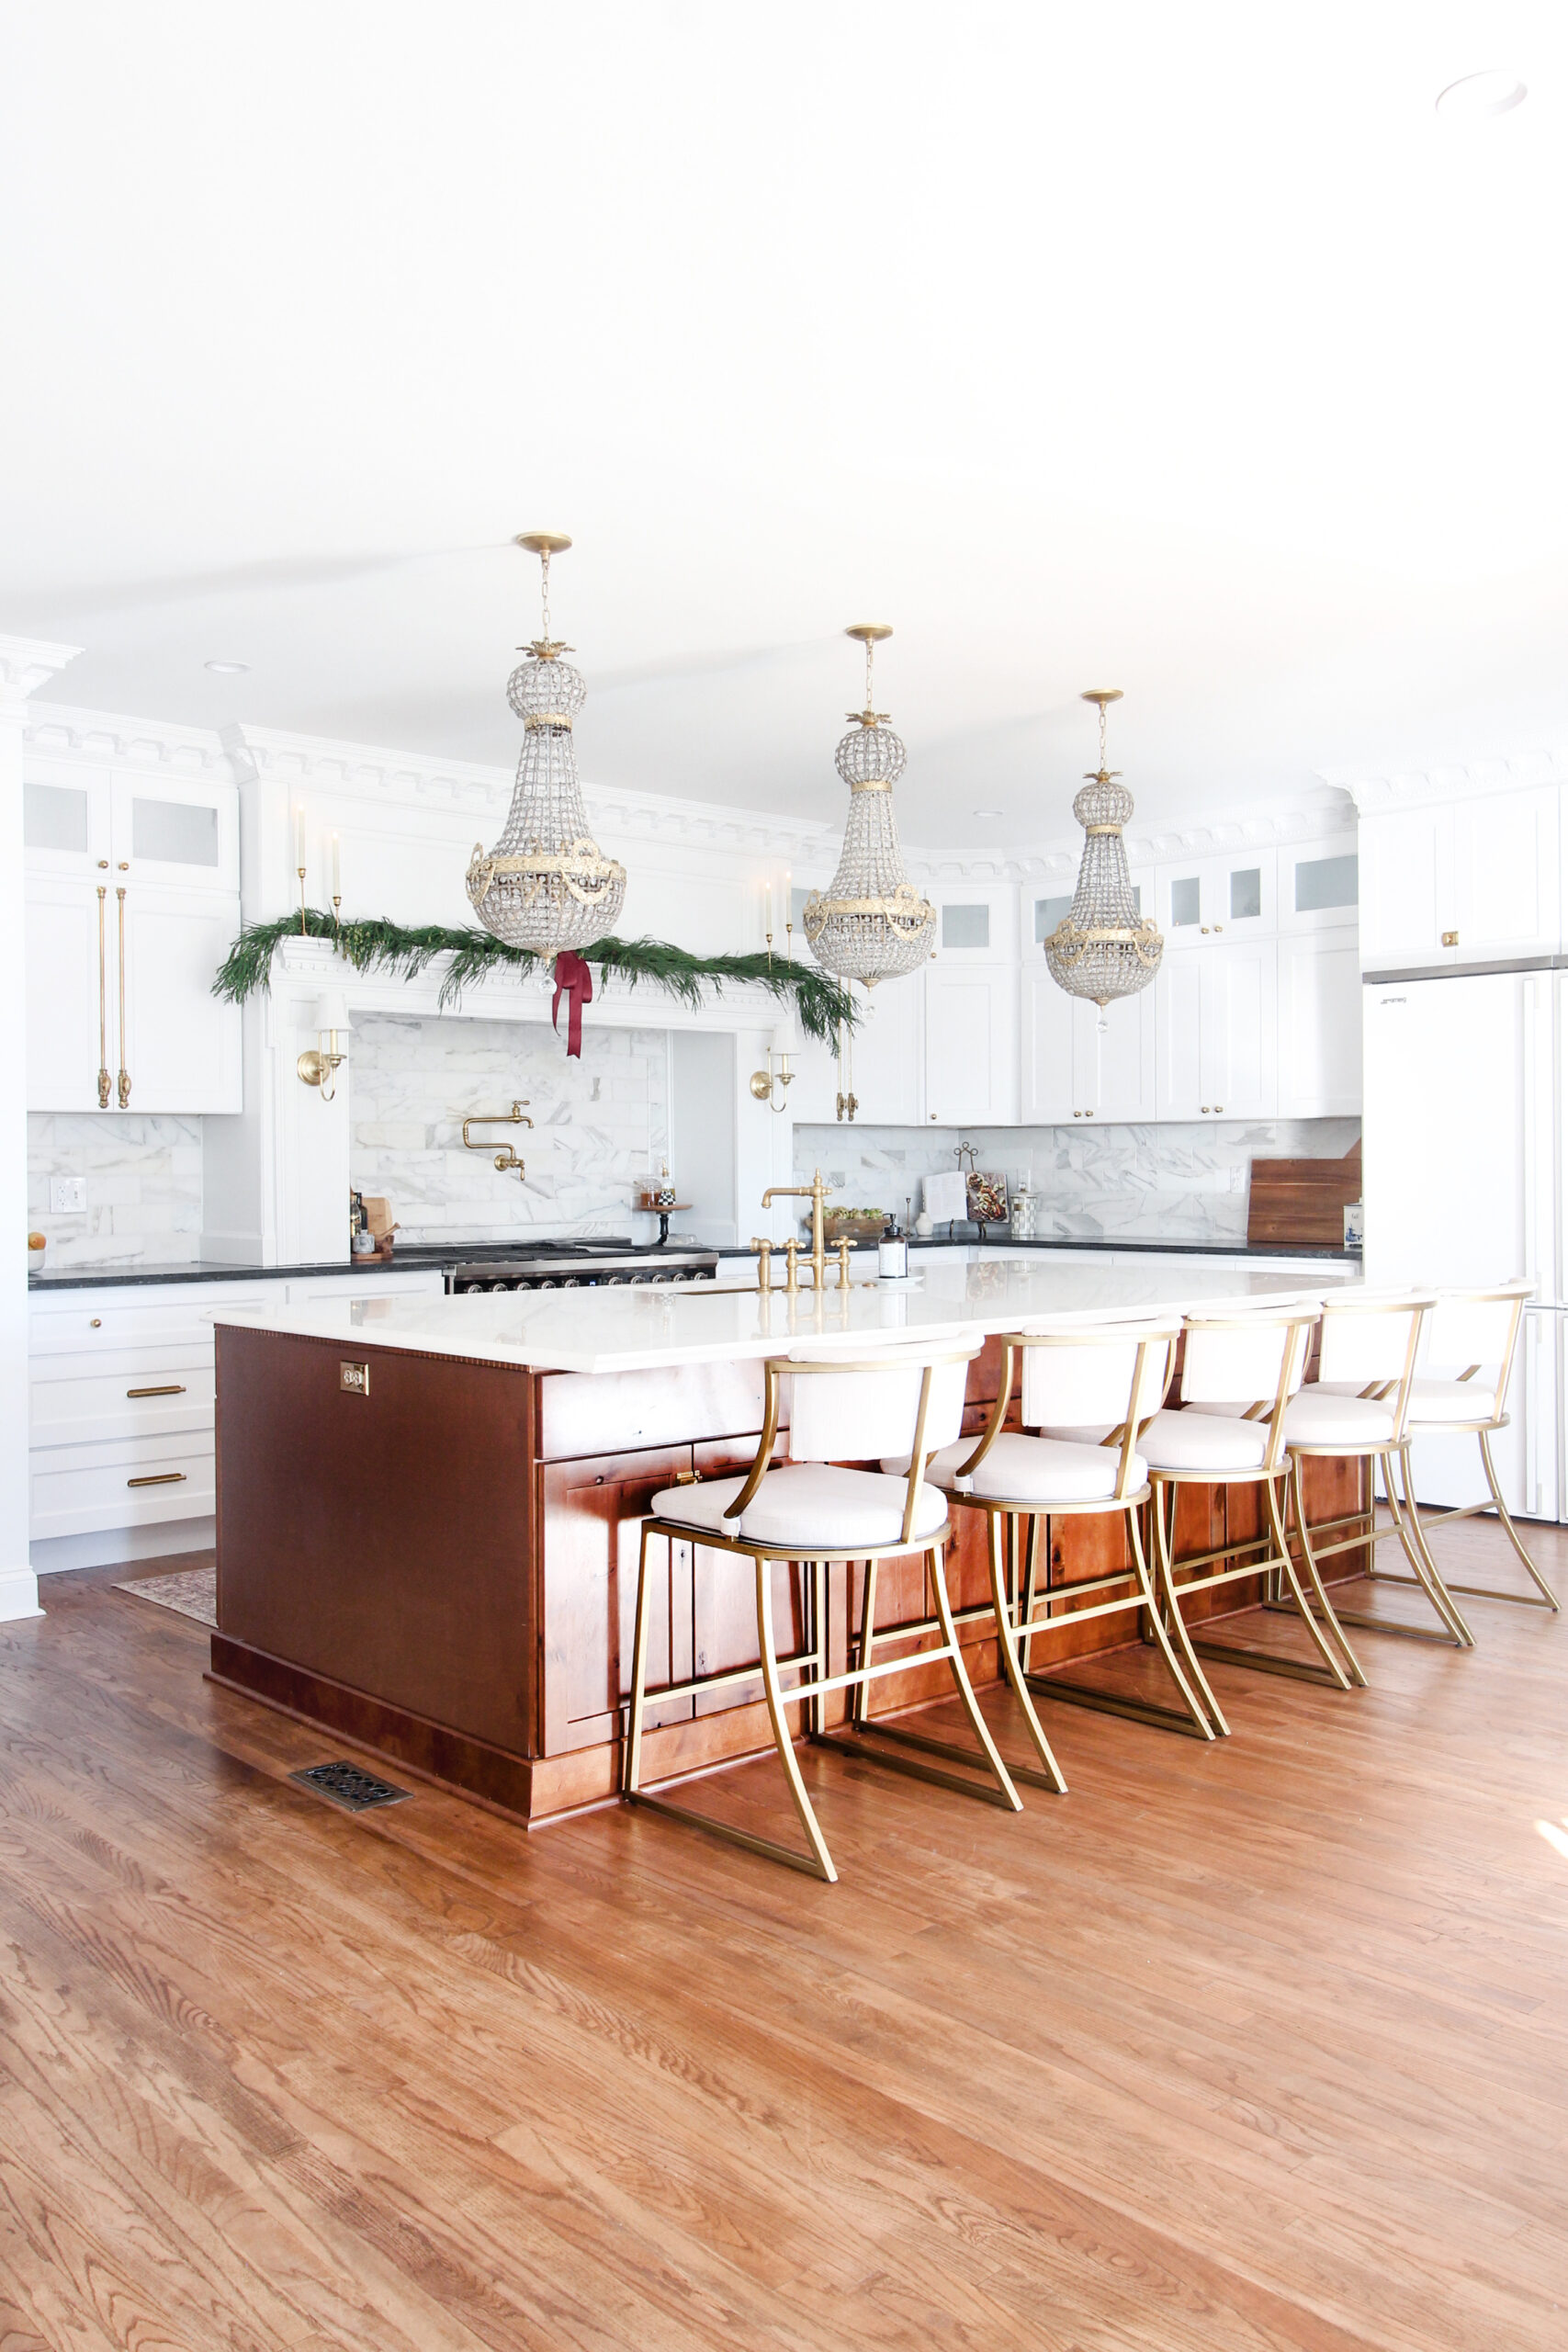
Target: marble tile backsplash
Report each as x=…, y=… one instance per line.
x=1134, y=1183
x=142, y=1175
x=601, y=1125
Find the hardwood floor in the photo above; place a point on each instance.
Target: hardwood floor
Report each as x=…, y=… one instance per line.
x=1257, y=2045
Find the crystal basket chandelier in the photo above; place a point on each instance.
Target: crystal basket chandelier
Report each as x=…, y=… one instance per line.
x=870, y=923
x=545, y=885
x=1102, y=948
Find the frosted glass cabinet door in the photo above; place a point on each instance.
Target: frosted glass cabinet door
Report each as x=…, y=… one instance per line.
x=176, y=831
x=182, y=1046
x=62, y=1002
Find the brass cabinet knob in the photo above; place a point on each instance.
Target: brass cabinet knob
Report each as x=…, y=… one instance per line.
x=1078, y=1115
x=97, y=1324
x=1450, y=939
x=1205, y=1110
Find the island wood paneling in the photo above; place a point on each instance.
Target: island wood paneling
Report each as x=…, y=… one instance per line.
x=405, y=1568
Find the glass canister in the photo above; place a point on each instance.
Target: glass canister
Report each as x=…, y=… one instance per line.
x=1022, y=1222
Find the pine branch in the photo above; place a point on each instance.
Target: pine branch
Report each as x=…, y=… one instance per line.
x=374, y=943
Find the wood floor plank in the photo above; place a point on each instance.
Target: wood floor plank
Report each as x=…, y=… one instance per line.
x=1253, y=2048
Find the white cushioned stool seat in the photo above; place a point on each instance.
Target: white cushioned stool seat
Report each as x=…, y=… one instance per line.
x=803, y=1505
x=1453, y=1400
x=1199, y=1442
x=1042, y=1470
x=1314, y=1418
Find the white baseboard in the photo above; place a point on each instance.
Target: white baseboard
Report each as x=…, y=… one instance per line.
x=19, y=1595
x=52, y=1555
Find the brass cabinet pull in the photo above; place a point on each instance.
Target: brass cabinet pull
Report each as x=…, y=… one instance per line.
x=103, y=1004
x=124, y=1073
x=178, y=1390
x=160, y=1479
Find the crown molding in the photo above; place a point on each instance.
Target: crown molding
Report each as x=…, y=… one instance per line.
x=1216, y=836
x=99, y=738
x=1417, y=787
x=369, y=772
x=29, y=662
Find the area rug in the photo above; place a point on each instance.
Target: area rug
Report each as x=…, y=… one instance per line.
x=192, y=1592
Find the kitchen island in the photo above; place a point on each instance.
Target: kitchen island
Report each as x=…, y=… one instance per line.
x=428, y=1507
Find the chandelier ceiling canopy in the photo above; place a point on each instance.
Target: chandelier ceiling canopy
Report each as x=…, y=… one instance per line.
x=1102, y=947
x=545, y=885
x=870, y=923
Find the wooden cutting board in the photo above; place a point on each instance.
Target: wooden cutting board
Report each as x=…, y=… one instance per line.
x=1303, y=1200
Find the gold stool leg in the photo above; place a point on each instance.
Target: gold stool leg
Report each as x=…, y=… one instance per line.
x=1524, y=1599
x=782, y=1740
x=1427, y=1567
x=1351, y=1671
x=978, y=1723
x=632, y=1770
x=1209, y=1707
x=1052, y=1777
x=858, y=1709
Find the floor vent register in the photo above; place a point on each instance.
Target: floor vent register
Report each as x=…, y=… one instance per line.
x=350, y=1786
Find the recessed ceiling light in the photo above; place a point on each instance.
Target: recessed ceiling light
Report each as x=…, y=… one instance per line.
x=984, y=812
x=226, y=669
x=1477, y=95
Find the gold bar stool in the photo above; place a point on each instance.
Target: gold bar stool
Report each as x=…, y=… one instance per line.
x=1218, y=1442
x=1357, y=1408
x=1479, y=1329
x=1113, y=1378
x=808, y=1512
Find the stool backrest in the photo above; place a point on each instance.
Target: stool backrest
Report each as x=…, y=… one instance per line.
x=1373, y=1341
x=1471, y=1332
x=1116, y=1373
x=1077, y=1379
x=903, y=1399
x=1253, y=1360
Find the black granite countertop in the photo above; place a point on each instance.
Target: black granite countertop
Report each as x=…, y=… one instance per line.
x=486, y=1253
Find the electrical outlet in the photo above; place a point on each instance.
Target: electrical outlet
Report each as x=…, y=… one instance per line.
x=67, y=1195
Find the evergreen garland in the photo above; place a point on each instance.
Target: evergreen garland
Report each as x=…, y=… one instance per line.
x=373, y=944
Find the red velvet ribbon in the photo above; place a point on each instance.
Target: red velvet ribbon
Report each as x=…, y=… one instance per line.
x=574, y=980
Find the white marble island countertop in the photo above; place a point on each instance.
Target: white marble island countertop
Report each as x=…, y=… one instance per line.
x=631, y=1328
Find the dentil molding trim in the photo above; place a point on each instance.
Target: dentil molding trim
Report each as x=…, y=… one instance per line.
x=1217, y=836
x=1412, y=787
x=29, y=662
x=97, y=738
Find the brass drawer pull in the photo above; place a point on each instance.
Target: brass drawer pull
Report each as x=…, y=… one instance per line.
x=161, y=1478
x=176, y=1389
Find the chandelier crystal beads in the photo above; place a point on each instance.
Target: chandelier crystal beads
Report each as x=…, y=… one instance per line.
x=546, y=885
x=870, y=923
x=1103, y=948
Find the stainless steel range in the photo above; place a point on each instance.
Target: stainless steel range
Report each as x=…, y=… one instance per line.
x=583, y=1265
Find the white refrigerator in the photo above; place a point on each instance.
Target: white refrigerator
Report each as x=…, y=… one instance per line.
x=1465, y=1163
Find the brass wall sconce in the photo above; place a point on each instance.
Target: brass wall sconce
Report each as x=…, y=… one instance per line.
x=506, y=1160
x=317, y=1067
x=772, y=1085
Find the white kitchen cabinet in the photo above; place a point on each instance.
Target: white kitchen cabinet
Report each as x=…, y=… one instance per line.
x=1082, y=1063
x=1462, y=882
x=1320, y=1025
x=133, y=901
x=882, y=1064
x=975, y=922
x=1206, y=898
x=1216, y=1018
x=971, y=1045
x=1319, y=884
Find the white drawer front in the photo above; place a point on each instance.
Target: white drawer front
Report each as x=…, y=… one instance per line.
x=130, y=1481
x=138, y=1396
x=426, y=1281
x=102, y=1321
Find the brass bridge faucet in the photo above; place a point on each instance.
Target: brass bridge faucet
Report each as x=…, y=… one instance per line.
x=815, y=1193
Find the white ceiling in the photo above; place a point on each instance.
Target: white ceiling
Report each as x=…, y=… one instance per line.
x=1187, y=350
